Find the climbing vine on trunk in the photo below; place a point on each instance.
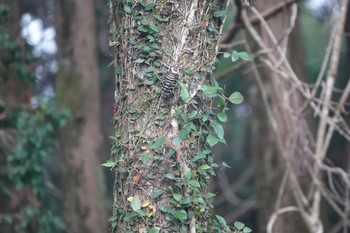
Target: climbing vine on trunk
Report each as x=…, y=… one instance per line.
x=161, y=151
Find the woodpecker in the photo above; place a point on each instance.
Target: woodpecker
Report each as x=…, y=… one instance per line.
x=170, y=80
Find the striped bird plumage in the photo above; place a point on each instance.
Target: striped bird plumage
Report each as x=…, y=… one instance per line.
x=170, y=81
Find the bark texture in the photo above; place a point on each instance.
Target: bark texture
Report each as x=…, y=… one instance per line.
x=158, y=185
x=78, y=90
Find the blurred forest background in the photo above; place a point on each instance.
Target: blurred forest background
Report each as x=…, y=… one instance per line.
x=56, y=109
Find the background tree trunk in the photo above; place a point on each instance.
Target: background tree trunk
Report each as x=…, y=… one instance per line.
x=78, y=90
x=292, y=129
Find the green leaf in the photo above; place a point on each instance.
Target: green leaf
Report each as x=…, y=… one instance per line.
x=236, y=98
x=136, y=203
x=109, y=164
x=146, y=49
x=194, y=183
x=234, y=56
x=157, y=143
x=176, y=141
x=225, y=165
x=183, y=134
x=199, y=201
x=219, y=130
x=219, y=13
x=192, y=114
x=238, y=225
x=181, y=214
x=204, y=167
x=154, y=230
x=245, y=56
x=141, y=212
x=247, y=230
x=154, y=27
x=156, y=193
x=170, y=176
x=188, y=173
x=159, y=18
x=130, y=216
x=209, y=195
x=185, y=95
x=139, y=60
x=212, y=140
x=143, y=29
x=221, y=220
x=177, y=197
x=149, y=69
x=222, y=117
x=127, y=9
x=226, y=55
x=150, y=6
x=146, y=158
x=209, y=90
x=166, y=209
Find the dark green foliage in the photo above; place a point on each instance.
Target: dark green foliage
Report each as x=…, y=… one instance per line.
x=27, y=142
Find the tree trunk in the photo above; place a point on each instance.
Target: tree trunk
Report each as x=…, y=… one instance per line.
x=276, y=146
x=78, y=90
x=161, y=151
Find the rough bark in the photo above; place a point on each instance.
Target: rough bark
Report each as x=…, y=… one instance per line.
x=80, y=141
x=156, y=139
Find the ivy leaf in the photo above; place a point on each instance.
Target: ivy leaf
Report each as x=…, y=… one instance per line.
x=209, y=195
x=176, y=141
x=159, y=18
x=234, y=56
x=204, y=167
x=209, y=90
x=247, y=230
x=245, y=56
x=188, y=173
x=136, y=203
x=109, y=164
x=149, y=69
x=219, y=130
x=212, y=140
x=192, y=114
x=219, y=13
x=194, y=183
x=177, y=197
x=185, y=95
x=146, y=158
x=226, y=55
x=154, y=230
x=146, y=49
x=130, y=216
x=236, y=98
x=222, y=117
x=181, y=214
x=154, y=27
x=238, y=225
x=156, y=193
x=127, y=9
x=221, y=220
x=157, y=143
x=150, y=6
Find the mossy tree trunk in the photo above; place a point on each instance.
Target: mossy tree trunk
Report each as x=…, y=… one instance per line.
x=80, y=141
x=161, y=151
